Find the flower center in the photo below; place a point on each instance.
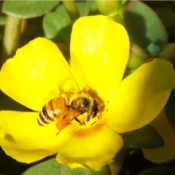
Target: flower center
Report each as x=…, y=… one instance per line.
x=84, y=107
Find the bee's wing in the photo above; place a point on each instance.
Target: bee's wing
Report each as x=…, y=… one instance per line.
x=77, y=81
x=69, y=84
x=71, y=114
x=78, y=72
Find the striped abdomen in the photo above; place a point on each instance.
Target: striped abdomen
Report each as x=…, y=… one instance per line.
x=54, y=109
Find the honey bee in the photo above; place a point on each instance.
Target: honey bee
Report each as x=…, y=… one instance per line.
x=64, y=110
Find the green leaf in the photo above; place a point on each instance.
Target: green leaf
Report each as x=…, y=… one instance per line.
x=48, y=167
x=81, y=171
x=57, y=25
x=167, y=15
x=158, y=171
x=137, y=57
x=52, y=167
x=28, y=8
x=153, y=49
x=84, y=7
x=93, y=8
x=145, y=28
x=145, y=137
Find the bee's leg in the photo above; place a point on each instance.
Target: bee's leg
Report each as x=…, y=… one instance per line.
x=95, y=110
x=93, y=123
x=80, y=122
x=58, y=132
x=88, y=118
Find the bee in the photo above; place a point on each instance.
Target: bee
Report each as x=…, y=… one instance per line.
x=64, y=110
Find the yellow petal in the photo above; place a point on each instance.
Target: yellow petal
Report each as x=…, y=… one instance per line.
x=141, y=96
x=167, y=152
x=91, y=147
x=23, y=139
x=101, y=47
x=34, y=74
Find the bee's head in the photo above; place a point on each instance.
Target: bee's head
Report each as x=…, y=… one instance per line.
x=81, y=103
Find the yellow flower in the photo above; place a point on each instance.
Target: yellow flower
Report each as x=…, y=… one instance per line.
x=99, y=54
x=167, y=151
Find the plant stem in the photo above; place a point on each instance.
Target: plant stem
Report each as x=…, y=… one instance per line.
x=71, y=9
x=11, y=36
